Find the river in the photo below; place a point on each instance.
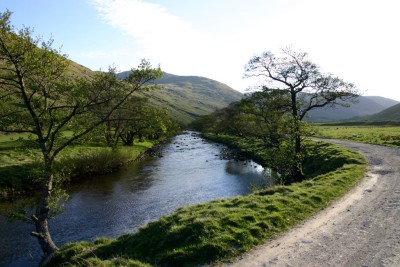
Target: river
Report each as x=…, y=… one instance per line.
x=189, y=171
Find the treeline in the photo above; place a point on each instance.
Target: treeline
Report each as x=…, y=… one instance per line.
x=135, y=120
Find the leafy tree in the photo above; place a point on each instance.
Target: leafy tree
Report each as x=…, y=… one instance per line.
x=39, y=97
x=266, y=117
x=303, y=84
x=136, y=118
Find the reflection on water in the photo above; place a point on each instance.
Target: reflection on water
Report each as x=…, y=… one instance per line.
x=190, y=171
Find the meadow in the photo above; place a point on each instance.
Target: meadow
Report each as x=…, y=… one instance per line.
x=378, y=135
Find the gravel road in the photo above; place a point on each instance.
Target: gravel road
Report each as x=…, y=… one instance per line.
x=361, y=229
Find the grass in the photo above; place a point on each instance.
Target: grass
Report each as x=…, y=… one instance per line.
x=20, y=163
x=223, y=229
x=379, y=135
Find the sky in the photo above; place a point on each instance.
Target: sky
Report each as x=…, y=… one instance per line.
x=356, y=40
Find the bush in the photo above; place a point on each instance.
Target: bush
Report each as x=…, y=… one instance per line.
x=91, y=162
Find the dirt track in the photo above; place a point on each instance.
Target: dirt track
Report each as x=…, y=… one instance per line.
x=361, y=229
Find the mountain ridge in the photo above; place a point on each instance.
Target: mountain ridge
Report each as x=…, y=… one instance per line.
x=189, y=97
x=365, y=106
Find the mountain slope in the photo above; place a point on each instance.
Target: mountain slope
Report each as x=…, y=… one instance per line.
x=189, y=97
x=366, y=105
x=389, y=114
x=383, y=101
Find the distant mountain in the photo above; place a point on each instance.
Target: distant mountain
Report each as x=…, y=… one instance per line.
x=389, y=114
x=383, y=101
x=366, y=105
x=189, y=97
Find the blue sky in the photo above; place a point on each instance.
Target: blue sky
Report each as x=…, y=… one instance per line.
x=354, y=39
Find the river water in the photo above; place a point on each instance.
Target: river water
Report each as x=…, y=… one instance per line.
x=190, y=171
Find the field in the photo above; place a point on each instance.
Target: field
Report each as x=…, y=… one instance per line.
x=379, y=135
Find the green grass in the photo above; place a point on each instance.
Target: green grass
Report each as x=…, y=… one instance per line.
x=223, y=229
x=20, y=163
x=379, y=135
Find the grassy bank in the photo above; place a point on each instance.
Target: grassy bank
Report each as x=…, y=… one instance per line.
x=225, y=228
x=379, y=135
x=20, y=163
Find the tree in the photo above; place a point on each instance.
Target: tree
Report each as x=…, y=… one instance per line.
x=303, y=84
x=266, y=117
x=136, y=118
x=38, y=96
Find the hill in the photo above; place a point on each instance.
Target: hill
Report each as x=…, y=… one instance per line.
x=366, y=105
x=389, y=114
x=189, y=97
x=184, y=97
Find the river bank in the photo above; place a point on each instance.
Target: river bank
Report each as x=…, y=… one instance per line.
x=222, y=229
x=360, y=229
x=185, y=171
x=20, y=170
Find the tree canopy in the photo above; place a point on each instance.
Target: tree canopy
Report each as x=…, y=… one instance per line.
x=39, y=97
x=291, y=86
x=305, y=86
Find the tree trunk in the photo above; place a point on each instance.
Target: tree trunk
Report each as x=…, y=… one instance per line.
x=128, y=138
x=42, y=216
x=298, y=174
x=297, y=168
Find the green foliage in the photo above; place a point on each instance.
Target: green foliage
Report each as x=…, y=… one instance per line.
x=40, y=97
x=263, y=120
x=20, y=173
x=297, y=86
x=91, y=163
x=222, y=229
x=136, y=119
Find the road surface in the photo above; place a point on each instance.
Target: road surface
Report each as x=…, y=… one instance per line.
x=361, y=229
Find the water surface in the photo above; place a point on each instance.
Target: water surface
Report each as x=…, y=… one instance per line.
x=190, y=171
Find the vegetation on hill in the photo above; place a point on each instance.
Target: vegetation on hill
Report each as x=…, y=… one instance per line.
x=389, y=114
x=189, y=97
x=365, y=105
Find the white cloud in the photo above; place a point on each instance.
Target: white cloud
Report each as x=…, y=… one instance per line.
x=355, y=40
x=157, y=32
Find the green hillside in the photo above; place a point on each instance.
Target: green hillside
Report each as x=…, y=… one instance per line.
x=365, y=106
x=79, y=71
x=389, y=114
x=184, y=97
x=189, y=97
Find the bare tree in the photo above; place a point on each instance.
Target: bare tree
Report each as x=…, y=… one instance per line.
x=305, y=86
